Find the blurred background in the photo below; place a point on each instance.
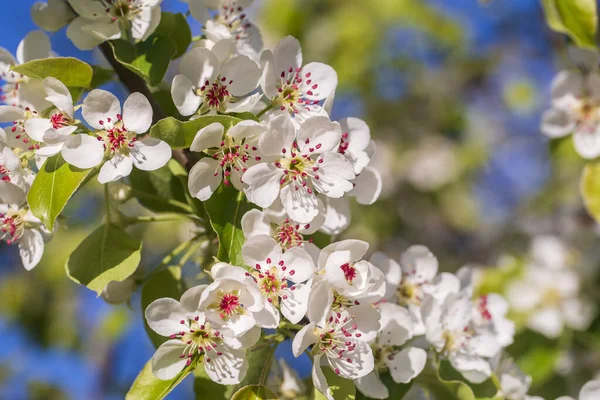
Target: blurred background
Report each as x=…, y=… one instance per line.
x=453, y=91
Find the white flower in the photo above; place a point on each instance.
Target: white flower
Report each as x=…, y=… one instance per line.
x=116, y=137
x=575, y=109
x=402, y=364
x=513, y=382
x=277, y=225
x=449, y=328
x=550, y=298
x=356, y=144
x=343, y=339
x=230, y=23
x=230, y=155
x=18, y=225
x=549, y=251
x=281, y=277
x=589, y=391
x=211, y=81
x=19, y=90
x=192, y=335
x=233, y=300
x=298, y=166
x=291, y=88
x=490, y=315
x=11, y=167
x=100, y=21
x=52, y=15
x=412, y=279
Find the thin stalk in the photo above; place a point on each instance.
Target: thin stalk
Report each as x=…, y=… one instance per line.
x=156, y=218
x=267, y=108
x=185, y=207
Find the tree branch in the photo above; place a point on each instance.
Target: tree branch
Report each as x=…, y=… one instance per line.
x=135, y=83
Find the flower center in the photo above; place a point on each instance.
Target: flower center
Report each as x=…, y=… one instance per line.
x=292, y=91
x=381, y=354
x=199, y=338
x=349, y=272
x=335, y=338
x=483, y=308
x=344, y=143
x=125, y=10
x=235, y=20
x=408, y=293
x=298, y=168
x=60, y=120
x=4, y=173
x=288, y=236
x=270, y=280
x=12, y=225
x=552, y=297
x=214, y=96
x=115, y=136
x=232, y=157
x=18, y=130
x=587, y=115
x=341, y=302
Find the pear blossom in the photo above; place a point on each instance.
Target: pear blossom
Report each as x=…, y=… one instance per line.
x=490, y=315
x=234, y=300
x=281, y=277
x=589, y=391
x=575, y=109
x=409, y=281
x=19, y=226
x=342, y=338
x=102, y=20
x=11, y=167
x=16, y=136
x=514, y=383
x=230, y=23
x=449, y=329
x=293, y=89
x=402, y=364
x=191, y=335
x=116, y=137
x=550, y=299
x=344, y=279
x=230, y=155
x=211, y=81
x=19, y=90
x=297, y=167
x=52, y=15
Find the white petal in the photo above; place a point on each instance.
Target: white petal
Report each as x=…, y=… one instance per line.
x=362, y=362
x=337, y=215
x=243, y=74
x=208, y=137
x=199, y=10
x=204, y=178
x=419, y=262
x=229, y=368
x=357, y=248
x=245, y=340
x=223, y=49
x=191, y=298
x=578, y=313
x=279, y=136
x=319, y=380
x=299, y=204
x=31, y=94
x=287, y=54
x=150, y=154
x=294, y=307
x=587, y=144
x=166, y=362
x=322, y=134
x=100, y=105
x=371, y=386
x=335, y=174
x=396, y=325
x=145, y=22
x=300, y=262
x=36, y=127
x=359, y=134
x=263, y=184
x=137, y=113
x=590, y=391
x=321, y=75
x=246, y=129
x=51, y=16
x=11, y=194
x=474, y=369
x=367, y=323
x=319, y=302
x=11, y=113
x=34, y=46
x=116, y=168
x=259, y=249
x=184, y=97
x=390, y=268
x=547, y=321
x=407, y=364
x=58, y=94
x=268, y=317
x=367, y=186
x=254, y=223
x=87, y=8
x=199, y=65
x=83, y=151
x=304, y=338
x=557, y=123
x=244, y=105
x=31, y=248
x=164, y=316
x=80, y=38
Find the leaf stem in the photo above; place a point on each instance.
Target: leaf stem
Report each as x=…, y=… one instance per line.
x=107, y=203
x=171, y=202
x=156, y=218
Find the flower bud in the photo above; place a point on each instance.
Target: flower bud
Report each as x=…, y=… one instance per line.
x=118, y=292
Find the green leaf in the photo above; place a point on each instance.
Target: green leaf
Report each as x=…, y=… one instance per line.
x=260, y=359
x=181, y=134
x=153, y=188
x=340, y=388
x=254, y=392
x=107, y=254
x=225, y=209
x=68, y=70
x=149, y=59
x=165, y=283
x=148, y=387
x=206, y=388
x=53, y=187
x=101, y=76
x=175, y=27
x=396, y=390
x=576, y=18
x=444, y=389
x=590, y=188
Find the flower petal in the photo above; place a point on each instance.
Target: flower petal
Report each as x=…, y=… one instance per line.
x=184, y=97
x=260, y=248
x=34, y=46
x=58, y=94
x=323, y=79
x=294, y=307
x=83, y=151
x=228, y=368
x=164, y=316
x=287, y=54
x=167, y=362
x=242, y=74
x=31, y=248
x=371, y=386
x=150, y=154
x=199, y=65
x=300, y=262
x=137, y=113
x=263, y=184
x=319, y=134
x=367, y=186
x=204, y=178
x=99, y=105
x=116, y=168
x=304, y=338
x=299, y=204
x=208, y=137
x=255, y=223
x=407, y=364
